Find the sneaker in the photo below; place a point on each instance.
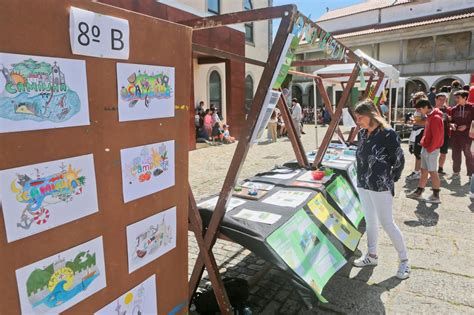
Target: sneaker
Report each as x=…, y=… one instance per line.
x=432, y=199
x=415, y=195
x=441, y=171
x=365, y=260
x=403, y=270
x=413, y=176
x=455, y=176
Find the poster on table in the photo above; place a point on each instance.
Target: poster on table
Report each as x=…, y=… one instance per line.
x=56, y=283
x=287, y=198
x=334, y=222
x=341, y=192
x=147, y=169
x=307, y=251
x=151, y=238
x=42, y=93
x=144, y=91
x=39, y=197
x=352, y=173
x=139, y=300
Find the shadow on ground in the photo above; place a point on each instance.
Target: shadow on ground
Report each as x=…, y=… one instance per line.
x=273, y=293
x=426, y=215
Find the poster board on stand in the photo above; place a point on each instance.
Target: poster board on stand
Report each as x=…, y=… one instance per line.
x=103, y=136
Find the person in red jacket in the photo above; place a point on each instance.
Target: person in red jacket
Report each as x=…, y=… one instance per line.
x=432, y=141
x=461, y=117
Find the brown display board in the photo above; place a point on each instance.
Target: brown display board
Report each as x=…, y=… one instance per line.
x=34, y=27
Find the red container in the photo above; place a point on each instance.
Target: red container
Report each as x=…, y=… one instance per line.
x=317, y=175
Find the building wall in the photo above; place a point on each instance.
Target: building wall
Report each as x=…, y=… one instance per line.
x=259, y=50
x=427, y=53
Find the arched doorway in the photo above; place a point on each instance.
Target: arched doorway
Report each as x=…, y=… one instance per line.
x=215, y=91
x=412, y=86
x=297, y=93
x=445, y=82
x=248, y=93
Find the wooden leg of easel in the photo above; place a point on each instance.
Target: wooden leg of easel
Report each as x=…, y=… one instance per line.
x=292, y=135
x=209, y=259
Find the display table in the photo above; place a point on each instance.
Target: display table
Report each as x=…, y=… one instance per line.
x=305, y=227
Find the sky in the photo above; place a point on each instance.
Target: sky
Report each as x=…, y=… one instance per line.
x=315, y=8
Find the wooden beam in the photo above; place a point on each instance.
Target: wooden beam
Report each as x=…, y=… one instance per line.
x=335, y=122
x=292, y=134
x=316, y=62
x=209, y=60
x=302, y=74
x=337, y=75
x=209, y=259
x=244, y=144
x=240, y=17
x=226, y=55
x=327, y=104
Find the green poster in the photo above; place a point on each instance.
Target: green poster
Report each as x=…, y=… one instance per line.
x=340, y=190
x=306, y=250
x=335, y=222
x=285, y=66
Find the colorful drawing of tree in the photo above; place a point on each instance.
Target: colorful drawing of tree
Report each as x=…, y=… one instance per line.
x=38, y=279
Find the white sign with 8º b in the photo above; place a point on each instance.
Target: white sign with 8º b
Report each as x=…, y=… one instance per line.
x=97, y=35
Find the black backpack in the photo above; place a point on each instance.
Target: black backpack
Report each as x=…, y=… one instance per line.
x=237, y=291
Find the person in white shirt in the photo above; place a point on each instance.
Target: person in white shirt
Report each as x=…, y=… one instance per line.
x=296, y=114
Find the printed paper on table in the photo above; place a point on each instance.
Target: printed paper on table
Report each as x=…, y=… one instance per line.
x=287, y=198
x=145, y=92
x=42, y=93
x=210, y=204
x=139, y=300
x=257, y=216
x=39, y=197
x=147, y=169
x=151, y=238
x=334, y=222
x=307, y=251
x=56, y=283
x=257, y=185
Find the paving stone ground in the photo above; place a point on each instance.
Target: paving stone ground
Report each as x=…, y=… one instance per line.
x=440, y=239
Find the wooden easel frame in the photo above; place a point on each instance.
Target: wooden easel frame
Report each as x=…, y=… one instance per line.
x=206, y=238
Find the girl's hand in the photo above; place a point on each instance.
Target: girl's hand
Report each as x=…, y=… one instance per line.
x=453, y=126
x=462, y=128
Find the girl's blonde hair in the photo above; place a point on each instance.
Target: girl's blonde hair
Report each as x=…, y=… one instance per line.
x=367, y=108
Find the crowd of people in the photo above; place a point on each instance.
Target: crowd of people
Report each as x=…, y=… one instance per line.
x=442, y=120
x=210, y=127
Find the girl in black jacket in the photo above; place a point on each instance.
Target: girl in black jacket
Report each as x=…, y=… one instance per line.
x=380, y=162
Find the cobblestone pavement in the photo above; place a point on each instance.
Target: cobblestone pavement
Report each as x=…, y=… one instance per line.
x=440, y=239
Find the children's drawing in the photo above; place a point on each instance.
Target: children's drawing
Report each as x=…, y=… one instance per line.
x=147, y=169
x=139, y=300
x=145, y=92
x=151, y=238
x=41, y=93
x=42, y=196
x=58, y=282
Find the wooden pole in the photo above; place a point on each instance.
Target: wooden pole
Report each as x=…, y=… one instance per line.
x=337, y=116
x=243, y=146
x=292, y=134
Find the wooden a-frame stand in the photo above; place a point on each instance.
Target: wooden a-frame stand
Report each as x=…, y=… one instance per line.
x=289, y=15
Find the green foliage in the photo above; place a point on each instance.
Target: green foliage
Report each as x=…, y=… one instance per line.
x=38, y=279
